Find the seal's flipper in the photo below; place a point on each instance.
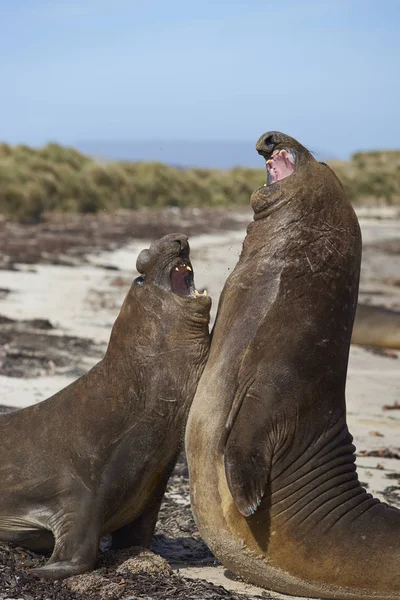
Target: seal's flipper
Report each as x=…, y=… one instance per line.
x=61, y=570
x=247, y=453
x=140, y=531
x=247, y=475
x=76, y=545
x=83, y=560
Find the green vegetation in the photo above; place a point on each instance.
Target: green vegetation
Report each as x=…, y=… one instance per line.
x=371, y=177
x=55, y=178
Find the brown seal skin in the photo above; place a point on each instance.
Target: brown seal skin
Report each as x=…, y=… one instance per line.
x=376, y=326
x=95, y=457
x=274, y=487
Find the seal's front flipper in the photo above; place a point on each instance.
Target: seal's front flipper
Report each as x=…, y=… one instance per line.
x=66, y=561
x=75, y=550
x=61, y=570
x=248, y=452
x=140, y=531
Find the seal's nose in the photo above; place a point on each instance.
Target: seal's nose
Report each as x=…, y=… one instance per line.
x=268, y=141
x=181, y=239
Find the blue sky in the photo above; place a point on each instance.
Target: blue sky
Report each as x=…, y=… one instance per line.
x=326, y=72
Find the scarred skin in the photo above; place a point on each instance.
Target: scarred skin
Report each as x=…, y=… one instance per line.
x=274, y=487
x=95, y=457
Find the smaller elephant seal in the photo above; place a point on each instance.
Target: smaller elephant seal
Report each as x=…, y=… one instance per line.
x=376, y=326
x=95, y=457
x=274, y=487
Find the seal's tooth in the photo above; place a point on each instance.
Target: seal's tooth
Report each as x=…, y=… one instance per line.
x=176, y=268
x=196, y=293
x=188, y=268
x=269, y=162
x=205, y=293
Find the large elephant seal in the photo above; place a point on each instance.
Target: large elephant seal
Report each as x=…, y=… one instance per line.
x=376, y=326
x=95, y=457
x=274, y=487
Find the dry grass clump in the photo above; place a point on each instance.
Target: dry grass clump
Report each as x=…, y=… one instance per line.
x=371, y=177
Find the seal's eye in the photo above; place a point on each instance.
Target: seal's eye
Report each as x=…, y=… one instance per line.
x=322, y=163
x=138, y=281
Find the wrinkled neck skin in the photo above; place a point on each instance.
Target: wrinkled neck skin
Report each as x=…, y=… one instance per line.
x=158, y=346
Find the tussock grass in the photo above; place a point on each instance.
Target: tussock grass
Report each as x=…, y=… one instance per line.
x=371, y=178
x=57, y=178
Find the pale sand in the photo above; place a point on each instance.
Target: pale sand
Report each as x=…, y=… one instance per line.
x=69, y=298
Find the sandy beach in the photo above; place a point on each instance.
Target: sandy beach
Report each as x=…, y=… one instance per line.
x=80, y=303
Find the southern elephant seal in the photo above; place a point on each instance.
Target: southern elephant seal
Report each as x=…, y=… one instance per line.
x=274, y=487
x=376, y=326
x=95, y=457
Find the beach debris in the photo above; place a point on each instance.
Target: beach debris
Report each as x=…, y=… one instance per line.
x=381, y=453
x=385, y=352
x=395, y=406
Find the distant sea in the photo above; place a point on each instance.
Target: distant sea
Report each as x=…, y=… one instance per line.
x=181, y=154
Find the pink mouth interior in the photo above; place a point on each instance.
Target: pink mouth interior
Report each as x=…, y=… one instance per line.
x=280, y=165
x=181, y=280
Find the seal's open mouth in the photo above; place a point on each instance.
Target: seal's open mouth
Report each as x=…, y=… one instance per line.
x=280, y=165
x=182, y=281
